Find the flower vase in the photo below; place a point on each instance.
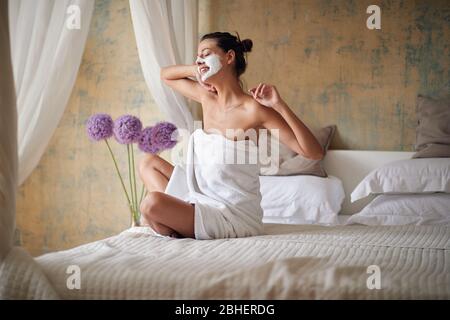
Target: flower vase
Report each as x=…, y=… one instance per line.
x=135, y=222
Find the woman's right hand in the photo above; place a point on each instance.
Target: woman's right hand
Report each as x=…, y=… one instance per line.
x=206, y=86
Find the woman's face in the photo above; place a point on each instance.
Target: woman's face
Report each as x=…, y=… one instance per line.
x=211, y=59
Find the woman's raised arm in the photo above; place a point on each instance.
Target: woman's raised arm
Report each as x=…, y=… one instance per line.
x=177, y=77
x=293, y=132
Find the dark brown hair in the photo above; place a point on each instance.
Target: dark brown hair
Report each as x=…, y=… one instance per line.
x=227, y=41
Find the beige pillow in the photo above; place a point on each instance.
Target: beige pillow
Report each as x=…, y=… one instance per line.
x=433, y=127
x=291, y=163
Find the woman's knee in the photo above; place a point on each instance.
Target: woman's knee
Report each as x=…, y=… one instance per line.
x=149, y=162
x=151, y=204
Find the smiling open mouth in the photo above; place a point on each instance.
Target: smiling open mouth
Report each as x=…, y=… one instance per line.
x=204, y=69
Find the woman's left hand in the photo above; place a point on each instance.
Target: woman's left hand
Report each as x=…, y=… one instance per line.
x=207, y=86
x=266, y=94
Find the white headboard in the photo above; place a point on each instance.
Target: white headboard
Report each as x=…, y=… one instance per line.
x=351, y=166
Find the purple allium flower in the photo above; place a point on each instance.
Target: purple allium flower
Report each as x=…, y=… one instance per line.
x=145, y=143
x=163, y=135
x=99, y=126
x=127, y=129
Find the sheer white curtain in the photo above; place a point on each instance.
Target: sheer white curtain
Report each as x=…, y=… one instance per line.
x=47, y=45
x=166, y=34
x=8, y=139
x=20, y=276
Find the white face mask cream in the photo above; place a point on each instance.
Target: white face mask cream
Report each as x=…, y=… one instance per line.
x=212, y=62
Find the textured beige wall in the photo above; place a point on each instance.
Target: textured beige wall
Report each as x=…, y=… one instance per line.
x=74, y=196
x=327, y=65
x=331, y=69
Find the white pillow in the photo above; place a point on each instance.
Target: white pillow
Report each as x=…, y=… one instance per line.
x=301, y=199
x=419, y=209
x=406, y=176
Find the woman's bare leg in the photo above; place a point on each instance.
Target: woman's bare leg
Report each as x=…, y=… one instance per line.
x=155, y=173
x=170, y=214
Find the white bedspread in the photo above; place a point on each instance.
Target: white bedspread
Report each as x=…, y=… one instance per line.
x=22, y=278
x=289, y=262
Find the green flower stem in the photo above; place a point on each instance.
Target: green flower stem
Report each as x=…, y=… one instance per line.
x=130, y=179
x=134, y=182
x=142, y=193
x=120, y=176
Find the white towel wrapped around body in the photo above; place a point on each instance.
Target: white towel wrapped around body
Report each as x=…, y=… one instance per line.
x=221, y=178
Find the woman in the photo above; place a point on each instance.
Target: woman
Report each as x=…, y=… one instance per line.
x=225, y=105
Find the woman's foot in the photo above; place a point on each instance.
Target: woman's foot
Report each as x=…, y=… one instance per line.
x=176, y=235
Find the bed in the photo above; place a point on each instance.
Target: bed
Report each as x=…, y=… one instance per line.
x=287, y=262
x=290, y=262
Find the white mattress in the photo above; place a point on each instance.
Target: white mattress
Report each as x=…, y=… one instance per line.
x=289, y=262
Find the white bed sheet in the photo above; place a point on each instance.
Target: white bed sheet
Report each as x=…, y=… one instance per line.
x=343, y=218
x=288, y=262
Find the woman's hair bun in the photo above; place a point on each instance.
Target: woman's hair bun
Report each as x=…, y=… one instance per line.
x=247, y=45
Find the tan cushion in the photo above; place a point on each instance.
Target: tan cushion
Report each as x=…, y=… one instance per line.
x=290, y=163
x=433, y=127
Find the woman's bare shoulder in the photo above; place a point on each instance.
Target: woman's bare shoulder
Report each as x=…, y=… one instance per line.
x=251, y=105
x=257, y=110
x=207, y=98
